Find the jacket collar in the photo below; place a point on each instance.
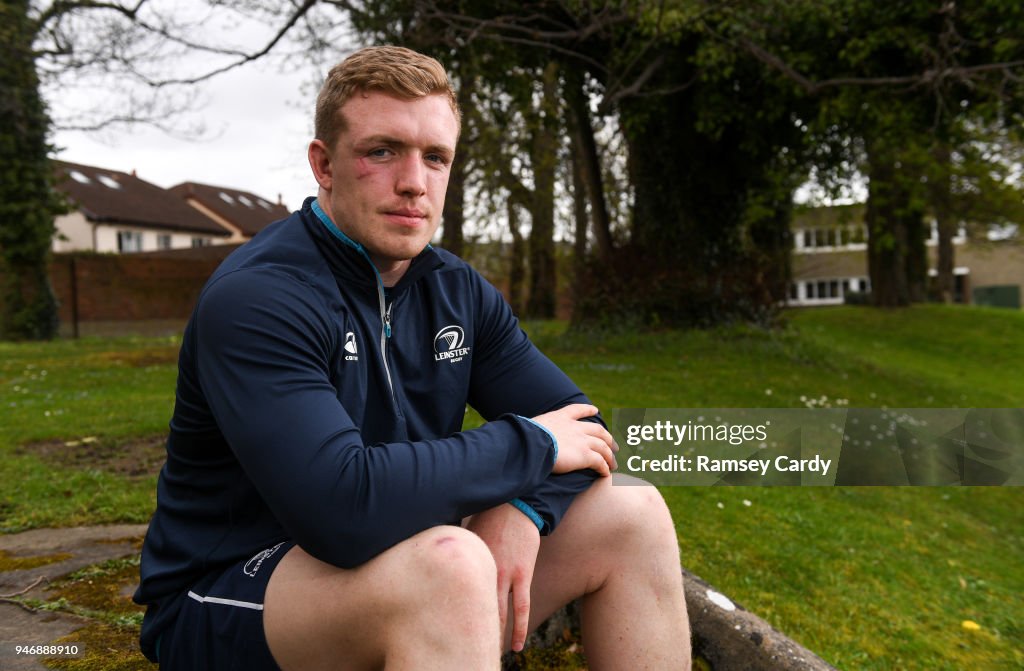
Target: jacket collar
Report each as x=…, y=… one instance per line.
x=349, y=260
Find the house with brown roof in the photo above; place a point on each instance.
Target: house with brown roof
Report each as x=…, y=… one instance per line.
x=114, y=211
x=243, y=213
x=118, y=212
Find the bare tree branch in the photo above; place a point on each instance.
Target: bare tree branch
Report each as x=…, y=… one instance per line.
x=299, y=12
x=63, y=7
x=928, y=77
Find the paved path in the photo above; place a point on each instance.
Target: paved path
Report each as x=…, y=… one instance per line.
x=86, y=546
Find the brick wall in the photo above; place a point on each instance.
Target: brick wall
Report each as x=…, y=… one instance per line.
x=132, y=287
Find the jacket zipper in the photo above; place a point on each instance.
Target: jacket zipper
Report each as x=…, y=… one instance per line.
x=385, y=332
x=385, y=309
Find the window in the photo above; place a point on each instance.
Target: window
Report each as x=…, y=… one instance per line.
x=108, y=181
x=200, y=242
x=163, y=241
x=831, y=238
x=129, y=241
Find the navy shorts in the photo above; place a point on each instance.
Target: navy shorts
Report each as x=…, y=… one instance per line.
x=220, y=624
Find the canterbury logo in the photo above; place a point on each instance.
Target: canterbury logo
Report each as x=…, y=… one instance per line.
x=448, y=344
x=254, y=564
x=350, y=347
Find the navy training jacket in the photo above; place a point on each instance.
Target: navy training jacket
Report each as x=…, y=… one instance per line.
x=313, y=404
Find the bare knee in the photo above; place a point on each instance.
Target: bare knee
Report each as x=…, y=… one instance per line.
x=423, y=595
x=639, y=516
x=451, y=580
x=450, y=558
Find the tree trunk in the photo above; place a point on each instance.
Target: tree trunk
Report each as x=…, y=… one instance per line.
x=540, y=303
x=580, y=240
x=917, y=254
x=585, y=152
x=897, y=261
x=454, y=204
x=945, y=222
x=517, y=258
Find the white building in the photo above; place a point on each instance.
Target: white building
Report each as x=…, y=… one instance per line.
x=830, y=256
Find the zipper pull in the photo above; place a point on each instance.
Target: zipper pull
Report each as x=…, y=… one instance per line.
x=387, y=320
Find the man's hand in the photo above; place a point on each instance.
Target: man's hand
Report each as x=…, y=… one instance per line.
x=580, y=444
x=514, y=541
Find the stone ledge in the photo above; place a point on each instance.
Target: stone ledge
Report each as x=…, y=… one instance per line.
x=731, y=638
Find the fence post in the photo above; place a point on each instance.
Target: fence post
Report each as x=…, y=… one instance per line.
x=74, y=297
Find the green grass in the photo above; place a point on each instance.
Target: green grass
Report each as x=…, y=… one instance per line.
x=869, y=578
x=109, y=390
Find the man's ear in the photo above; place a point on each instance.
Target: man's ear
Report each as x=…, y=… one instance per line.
x=320, y=163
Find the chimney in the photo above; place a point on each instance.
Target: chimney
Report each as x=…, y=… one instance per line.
x=279, y=201
x=134, y=173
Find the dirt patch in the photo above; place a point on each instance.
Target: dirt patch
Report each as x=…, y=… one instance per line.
x=138, y=358
x=135, y=457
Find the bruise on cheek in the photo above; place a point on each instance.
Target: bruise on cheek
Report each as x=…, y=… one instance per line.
x=363, y=167
x=445, y=540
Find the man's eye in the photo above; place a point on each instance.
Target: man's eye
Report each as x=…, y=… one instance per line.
x=380, y=153
x=437, y=158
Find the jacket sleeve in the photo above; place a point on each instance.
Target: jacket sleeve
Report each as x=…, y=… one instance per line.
x=510, y=375
x=264, y=349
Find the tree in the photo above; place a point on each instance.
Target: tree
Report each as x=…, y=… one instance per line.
x=717, y=103
x=701, y=158
x=972, y=183
x=110, y=44
x=909, y=85
x=28, y=202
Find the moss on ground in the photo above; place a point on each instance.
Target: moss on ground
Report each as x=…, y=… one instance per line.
x=106, y=647
x=9, y=563
x=98, y=593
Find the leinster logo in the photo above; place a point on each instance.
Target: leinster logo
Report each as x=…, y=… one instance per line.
x=448, y=344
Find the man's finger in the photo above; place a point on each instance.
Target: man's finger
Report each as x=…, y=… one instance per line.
x=503, y=597
x=599, y=463
x=579, y=410
x=609, y=456
x=601, y=433
x=605, y=452
x=520, y=614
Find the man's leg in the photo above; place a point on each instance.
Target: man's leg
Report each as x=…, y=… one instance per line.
x=427, y=603
x=617, y=548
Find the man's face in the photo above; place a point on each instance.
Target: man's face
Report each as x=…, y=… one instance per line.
x=388, y=173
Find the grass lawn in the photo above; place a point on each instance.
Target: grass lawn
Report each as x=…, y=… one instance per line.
x=869, y=578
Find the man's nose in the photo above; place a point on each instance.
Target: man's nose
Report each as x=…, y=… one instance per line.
x=411, y=179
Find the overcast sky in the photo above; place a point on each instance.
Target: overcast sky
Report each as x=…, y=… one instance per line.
x=259, y=122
